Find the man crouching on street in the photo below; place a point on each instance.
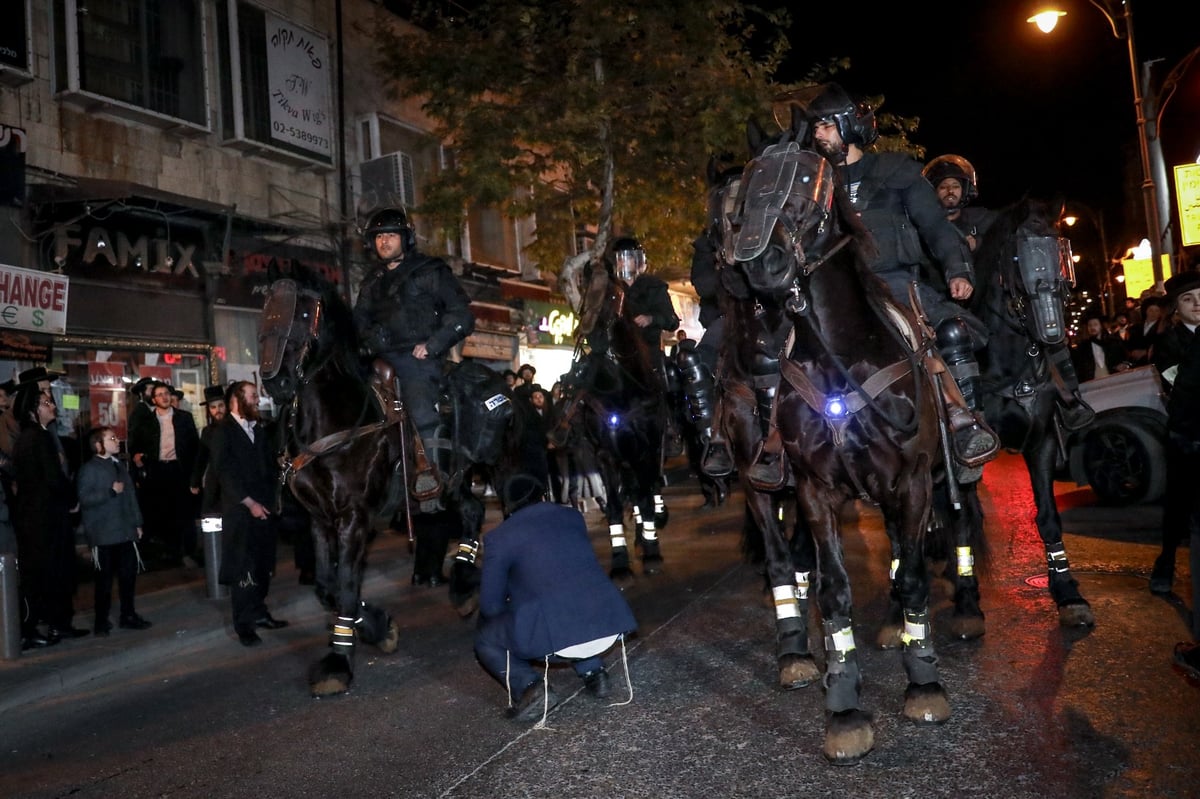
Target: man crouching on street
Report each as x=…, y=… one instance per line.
x=544, y=597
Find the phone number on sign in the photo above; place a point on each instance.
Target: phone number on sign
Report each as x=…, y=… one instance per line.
x=300, y=135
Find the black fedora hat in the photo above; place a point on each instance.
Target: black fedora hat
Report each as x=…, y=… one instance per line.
x=139, y=387
x=213, y=394
x=1184, y=281
x=37, y=373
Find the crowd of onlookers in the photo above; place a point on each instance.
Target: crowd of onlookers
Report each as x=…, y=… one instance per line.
x=129, y=509
x=1109, y=344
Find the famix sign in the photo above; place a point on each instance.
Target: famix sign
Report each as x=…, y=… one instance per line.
x=121, y=249
x=31, y=300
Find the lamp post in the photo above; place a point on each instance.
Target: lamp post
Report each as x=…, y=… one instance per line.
x=1045, y=21
x=1070, y=219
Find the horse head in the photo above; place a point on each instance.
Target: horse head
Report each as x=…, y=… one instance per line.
x=783, y=210
x=291, y=321
x=1033, y=269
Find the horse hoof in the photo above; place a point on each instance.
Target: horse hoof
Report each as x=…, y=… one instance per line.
x=391, y=640
x=967, y=628
x=329, y=676
x=652, y=565
x=797, y=671
x=622, y=576
x=926, y=704
x=466, y=606
x=848, y=737
x=1077, y=614
x=889, y=637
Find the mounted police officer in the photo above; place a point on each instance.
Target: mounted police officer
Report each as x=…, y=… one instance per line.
x=410, y=312
x=953, y=178
x=906, y=220
x=647, y=302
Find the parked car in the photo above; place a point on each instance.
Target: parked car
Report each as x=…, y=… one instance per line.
x=1121, y=454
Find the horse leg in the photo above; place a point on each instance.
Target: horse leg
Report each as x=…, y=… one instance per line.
x=334, y=672
x=891, y=632
x=464, y=574
x=1073, y=609
x=848, y=733
x=967, y=621
x=924, y=699
x=789, y=566
x=614, y=508
x=646, y=482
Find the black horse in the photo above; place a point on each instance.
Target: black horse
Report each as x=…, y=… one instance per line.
x=753, y=323
x=617, y=401
x=347, y=454
x=857, y=411
x=1024, y=268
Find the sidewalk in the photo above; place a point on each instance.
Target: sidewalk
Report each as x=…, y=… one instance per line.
x=185, y=622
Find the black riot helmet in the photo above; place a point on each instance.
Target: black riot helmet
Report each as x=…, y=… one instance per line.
x=953, y=166
x=389, y=220
x=628, y=258
x=855, y=121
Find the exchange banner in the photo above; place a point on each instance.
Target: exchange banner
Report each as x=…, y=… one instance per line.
x=32, y=300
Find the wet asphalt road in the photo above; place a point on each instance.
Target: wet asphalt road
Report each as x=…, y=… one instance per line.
x=184, y=711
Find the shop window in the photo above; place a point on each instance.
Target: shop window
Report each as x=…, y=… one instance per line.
x=275, y=88
x=237, y=333
x=139, y=58
x=16, y=45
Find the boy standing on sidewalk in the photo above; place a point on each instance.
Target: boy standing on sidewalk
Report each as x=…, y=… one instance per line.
x=112, y=525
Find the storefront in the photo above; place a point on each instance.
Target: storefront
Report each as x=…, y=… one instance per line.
x=549, y=341
x=159, y=289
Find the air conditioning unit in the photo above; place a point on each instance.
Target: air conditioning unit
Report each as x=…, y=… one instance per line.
x=389, y=178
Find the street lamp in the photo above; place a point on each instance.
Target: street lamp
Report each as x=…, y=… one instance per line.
x=1046, y=20
x=1070, y=219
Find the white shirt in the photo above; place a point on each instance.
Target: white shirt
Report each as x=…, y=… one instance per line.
x=166, y=435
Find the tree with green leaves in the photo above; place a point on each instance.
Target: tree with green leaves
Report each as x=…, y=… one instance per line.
x=595, y=117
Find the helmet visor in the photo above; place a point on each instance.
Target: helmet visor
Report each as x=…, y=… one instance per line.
x=629, y=264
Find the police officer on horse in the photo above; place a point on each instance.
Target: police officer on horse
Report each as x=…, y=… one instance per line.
x=410, y=312
x=953, y=178
x=902, y=211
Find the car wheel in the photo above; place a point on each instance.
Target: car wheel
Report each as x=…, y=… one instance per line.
x=1125, y=463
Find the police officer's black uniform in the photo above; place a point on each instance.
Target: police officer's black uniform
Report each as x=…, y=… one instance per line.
x=418, y=301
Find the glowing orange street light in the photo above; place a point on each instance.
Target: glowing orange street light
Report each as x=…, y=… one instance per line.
x=1046, y=20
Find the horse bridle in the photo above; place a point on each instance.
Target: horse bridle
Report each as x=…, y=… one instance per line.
x=334, y=441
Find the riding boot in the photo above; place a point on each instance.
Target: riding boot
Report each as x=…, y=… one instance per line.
x=769, y=471
x=717, y=460
x=971, y=440
x=427, y=476
x=1073, y=410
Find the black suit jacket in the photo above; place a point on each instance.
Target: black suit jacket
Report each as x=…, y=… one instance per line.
x=145, y=432
x=244, y=468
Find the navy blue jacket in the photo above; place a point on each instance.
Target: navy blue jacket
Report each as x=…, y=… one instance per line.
x=541, y=575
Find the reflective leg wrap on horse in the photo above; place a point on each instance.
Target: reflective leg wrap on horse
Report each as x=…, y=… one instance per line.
x=342, y=638
x=1063, y=587
x=843, y=678
x=920, y=660
x=791, y=621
